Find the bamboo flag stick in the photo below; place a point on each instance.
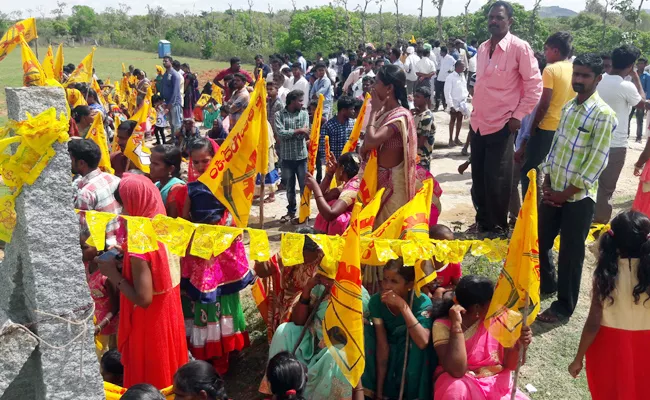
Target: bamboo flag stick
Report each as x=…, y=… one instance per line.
x=406, y=353
x=522, y=350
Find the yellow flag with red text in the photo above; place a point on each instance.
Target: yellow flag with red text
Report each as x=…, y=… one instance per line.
x=84, y=71
x=33, y=74
x=312, y=153
x=217, y=93
x=231, y=174
x=58, y=63
x=100, y=94
x=97, y=134
x=353, y=140
x=137, y=152
x=368, y=174
x=48, y=63
x=519, y=277
x=142, y=115
x=343, y=322
x=11, y=38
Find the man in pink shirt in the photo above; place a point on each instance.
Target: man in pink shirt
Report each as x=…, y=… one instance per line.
x=508, y=86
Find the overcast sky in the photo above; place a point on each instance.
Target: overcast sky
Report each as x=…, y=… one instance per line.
x=451, y=7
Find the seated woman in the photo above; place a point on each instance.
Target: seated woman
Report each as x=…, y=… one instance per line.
x=335, y=205
x=165, y=171
x=214, y=320
x=393, y=320
x=198, y=380
x=324, y=378
x=282, y=286
x=473, y=364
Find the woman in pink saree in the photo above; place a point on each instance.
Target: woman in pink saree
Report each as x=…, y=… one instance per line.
x=473, y=365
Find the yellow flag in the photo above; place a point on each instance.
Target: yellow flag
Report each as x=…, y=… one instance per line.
x=203, y=100
x=343, y=322
x=312, y=153
x=142, y=115
x=75, y=98
x=58, y=64
x=231, y=174
x=138, y=153
x=217, y=93
x=368, y=184
x=33, y=74
x=97, y=134
x=11, y=38
x=353, y=140
x=519, y=277
x=412, y=41
x=100, y=94
x=48, y=63
x=123, y=69
x=84, y=71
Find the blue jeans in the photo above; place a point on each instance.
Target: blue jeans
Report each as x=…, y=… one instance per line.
x=290, y=170
x=175, y=117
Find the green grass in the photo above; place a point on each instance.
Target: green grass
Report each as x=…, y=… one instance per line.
x=107, y=62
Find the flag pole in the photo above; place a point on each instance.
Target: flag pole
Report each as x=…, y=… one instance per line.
x=312, y=314
x=406, y=353
x=36, y=47
x=262, y=201
x=522, y=350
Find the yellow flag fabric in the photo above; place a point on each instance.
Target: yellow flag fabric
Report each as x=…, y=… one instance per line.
x=100, y=94
x=84, y=71
x=142, y=115
x=217, y=93
x=203, y=100
x=312, y=153
x=138, y=153
x=519, y=277
x=328, y=151
x=75, y=98
x=353, y=140
x=11, y=38
x=58, y=63
x=231, y=174
x=343, y=322
x=48, y=63
x=33, y=74
x=368, y=184
x=97, y=134
x=114, y=392
x=412, y=40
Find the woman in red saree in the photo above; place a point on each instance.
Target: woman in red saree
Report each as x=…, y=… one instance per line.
x=472, y=364
x=151, y=334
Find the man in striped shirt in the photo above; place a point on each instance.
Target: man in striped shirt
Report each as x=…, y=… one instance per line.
x=292, y=129
x=94, y=190
x=578, y=155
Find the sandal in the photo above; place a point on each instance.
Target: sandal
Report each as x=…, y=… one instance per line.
x=464, y=152
x=287, y=218
x=269, y=200
x=295, y=221
x=549, y=317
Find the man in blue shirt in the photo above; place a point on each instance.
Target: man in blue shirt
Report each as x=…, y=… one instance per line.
x=171, y=93
x=644, y=77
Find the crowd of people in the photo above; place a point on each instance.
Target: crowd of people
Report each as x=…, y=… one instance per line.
x=565, y=115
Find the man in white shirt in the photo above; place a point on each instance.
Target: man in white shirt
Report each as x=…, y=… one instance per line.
x=456, y=97
x=436, y=52
x=425, y=69
x=462, y=53
x=358, y=73
x=301, y=60
x=410, y=67
x=447, y=66
x=394, y=57
x=298, y=82
x=621, y=95
x=276, y=69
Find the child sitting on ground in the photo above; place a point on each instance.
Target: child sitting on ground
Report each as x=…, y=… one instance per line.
x=111, y=367
x=448, y=275
x=335, y=205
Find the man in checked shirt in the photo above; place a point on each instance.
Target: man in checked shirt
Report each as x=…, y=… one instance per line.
x=578, y=155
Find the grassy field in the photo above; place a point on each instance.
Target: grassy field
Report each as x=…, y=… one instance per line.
x=108, y=64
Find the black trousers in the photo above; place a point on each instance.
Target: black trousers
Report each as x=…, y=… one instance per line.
x=639, y=113
x=572, y=221
x=439, y=95
x=159, y=131
x=492, y=161
x=537, y=148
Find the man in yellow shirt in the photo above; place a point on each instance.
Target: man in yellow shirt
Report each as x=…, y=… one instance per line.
x=557, y=92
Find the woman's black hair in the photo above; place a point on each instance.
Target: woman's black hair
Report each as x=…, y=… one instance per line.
x=350, y=163
x=128, y=125
x=172, y=156
x=310, y=245
x=198, y=375
x=471, y=290
x=628, y=238
x=112, y=362
x=287, y=376
x=80, y=111
x=394, y=75
x=142, y=391
x=397, y=265
x=200, y=143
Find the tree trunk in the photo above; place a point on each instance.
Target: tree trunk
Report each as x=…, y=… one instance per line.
x=420, y=19
x=439, y=18
x=398, y=26
x=270, y=25
x=638, y=14
x=381, y=26
x=533, y=19
x=466, y=22
x=605, y=20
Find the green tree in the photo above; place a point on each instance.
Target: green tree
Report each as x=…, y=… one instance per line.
x=83, y=21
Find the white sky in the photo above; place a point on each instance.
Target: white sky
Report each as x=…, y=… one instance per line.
x=451, y=7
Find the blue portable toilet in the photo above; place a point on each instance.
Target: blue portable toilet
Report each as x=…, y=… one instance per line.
x=164, y=48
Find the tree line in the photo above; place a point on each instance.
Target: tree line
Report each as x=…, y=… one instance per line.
x=242, y=31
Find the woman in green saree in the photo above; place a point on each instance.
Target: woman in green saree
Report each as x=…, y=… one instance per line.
x=393, y=320
x=325, y=381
